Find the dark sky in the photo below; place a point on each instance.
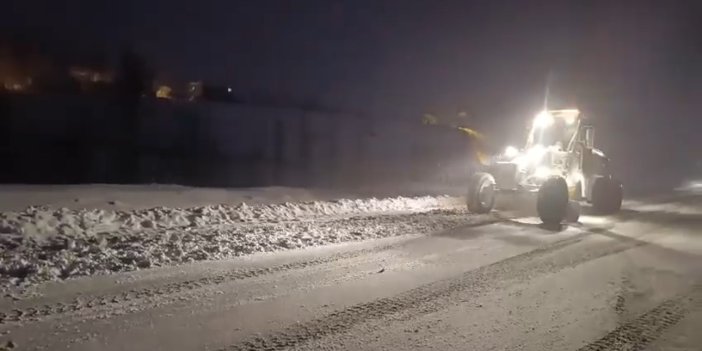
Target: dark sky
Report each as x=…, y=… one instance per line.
x=635, y=65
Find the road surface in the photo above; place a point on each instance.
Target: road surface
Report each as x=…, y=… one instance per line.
x=630, y=282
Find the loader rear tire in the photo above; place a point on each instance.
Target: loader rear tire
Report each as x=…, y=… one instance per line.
x=607, y=195
x=481, y=193
x=573, y=212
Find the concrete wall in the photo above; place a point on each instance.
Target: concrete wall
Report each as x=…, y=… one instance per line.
x=69, y=139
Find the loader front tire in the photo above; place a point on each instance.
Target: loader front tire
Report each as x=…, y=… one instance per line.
x=552, y=201
x=481, y=193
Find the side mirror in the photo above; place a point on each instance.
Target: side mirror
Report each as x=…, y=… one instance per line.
x=589, y=137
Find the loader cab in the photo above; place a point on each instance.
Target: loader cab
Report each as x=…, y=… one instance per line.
x=559, y=128
x=593, y=161
x=587, y=135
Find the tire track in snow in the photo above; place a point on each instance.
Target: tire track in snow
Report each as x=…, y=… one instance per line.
x=87, y=303
x=648, y=327
x=79, y=304
x=425, y=299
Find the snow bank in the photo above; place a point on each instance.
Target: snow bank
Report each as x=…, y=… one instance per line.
x=133, y=197
x=40, y=243
x=42, y=222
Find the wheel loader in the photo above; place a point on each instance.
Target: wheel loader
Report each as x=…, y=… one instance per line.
x=558, y=167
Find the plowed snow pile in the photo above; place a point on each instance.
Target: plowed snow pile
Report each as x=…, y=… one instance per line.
x=41, y=244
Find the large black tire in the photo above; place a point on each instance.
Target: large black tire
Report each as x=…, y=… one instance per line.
x=552, y=201
x=607, y=195
x=481, y=193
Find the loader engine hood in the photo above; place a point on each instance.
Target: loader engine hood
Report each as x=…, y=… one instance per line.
x=538, y=161
x=550, y=136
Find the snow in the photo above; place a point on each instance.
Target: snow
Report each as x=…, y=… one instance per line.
x=691, y=187
x=119, y=232
x=43, y=222
x=130, y=197
x=42, y=243
x=664, y=207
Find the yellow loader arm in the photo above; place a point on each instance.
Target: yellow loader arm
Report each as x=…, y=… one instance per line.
x=477, y=138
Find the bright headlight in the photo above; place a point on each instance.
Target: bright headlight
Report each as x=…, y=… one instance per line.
x=542, y=172
x=536, y=153
x=511, y=152
x=543, y=119
x=532, y=156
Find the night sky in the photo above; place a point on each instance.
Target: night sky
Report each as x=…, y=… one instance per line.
x=636, y=66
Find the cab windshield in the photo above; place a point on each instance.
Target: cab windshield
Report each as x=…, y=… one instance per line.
x=558, y=133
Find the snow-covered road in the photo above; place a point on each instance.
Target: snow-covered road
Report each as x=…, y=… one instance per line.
x=441, y=280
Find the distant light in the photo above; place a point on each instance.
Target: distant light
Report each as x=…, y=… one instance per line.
x=229, y=90
x=164, y=92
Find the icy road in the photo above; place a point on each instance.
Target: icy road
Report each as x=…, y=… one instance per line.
x=629, y=282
